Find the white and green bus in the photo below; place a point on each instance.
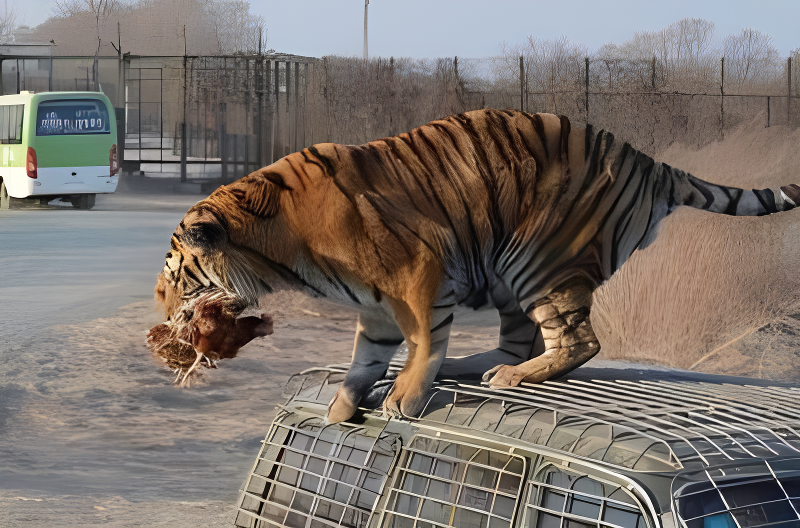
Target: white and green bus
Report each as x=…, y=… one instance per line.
x=57, y=145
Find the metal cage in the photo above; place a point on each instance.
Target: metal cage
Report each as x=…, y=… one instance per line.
x=572, y=453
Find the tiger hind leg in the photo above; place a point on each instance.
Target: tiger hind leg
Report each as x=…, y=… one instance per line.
x=520, y=340
x=569, y=339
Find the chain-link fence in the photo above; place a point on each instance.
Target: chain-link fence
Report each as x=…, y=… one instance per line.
x=363, y=100
x=224, y=116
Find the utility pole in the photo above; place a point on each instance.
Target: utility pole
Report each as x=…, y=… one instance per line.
x=366, y=52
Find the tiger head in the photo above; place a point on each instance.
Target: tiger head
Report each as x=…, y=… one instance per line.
x=203, y=296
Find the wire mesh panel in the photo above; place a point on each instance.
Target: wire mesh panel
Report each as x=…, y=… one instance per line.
x=562, y=498
x=546, y=424
x=742, y=495
x=313, y=475
x=587, y=453
x=445, y=483
x=644, y=426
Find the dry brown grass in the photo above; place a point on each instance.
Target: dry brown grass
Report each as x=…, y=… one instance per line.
x=696, y=297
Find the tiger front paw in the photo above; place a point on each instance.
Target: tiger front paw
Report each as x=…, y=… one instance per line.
x=342, y=407
x=553, y=363
x=404, y=399
x=504, y=376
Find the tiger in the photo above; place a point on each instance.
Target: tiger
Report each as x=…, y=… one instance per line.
x=488, y=208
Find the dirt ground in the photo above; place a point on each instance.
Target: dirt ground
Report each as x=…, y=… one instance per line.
x=123, y=447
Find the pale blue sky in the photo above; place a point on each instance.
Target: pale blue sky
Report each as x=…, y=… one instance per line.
x=473, y=28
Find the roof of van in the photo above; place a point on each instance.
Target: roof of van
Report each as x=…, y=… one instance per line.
x=25, y=96
x=603, y=445
x=632, y=420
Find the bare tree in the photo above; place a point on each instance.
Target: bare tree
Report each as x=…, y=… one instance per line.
x=751, y=61
x=235, y=29
x=157, y=26
x=8, y=25
x=685, y=51
x=553, y=67
x=100, y=10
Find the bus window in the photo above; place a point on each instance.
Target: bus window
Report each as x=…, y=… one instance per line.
x=11, y=124
x=70, y=117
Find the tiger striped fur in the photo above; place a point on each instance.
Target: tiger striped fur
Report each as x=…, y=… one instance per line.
x=485, y=208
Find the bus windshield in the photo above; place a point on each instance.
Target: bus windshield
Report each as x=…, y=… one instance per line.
x=70, y=117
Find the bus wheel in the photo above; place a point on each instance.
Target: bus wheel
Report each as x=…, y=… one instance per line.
x=5, y=199
x=83, y=201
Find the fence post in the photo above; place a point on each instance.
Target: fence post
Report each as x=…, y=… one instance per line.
x=259, y=93
x=722, y=101
x=266, y=149
x=305, y=102
x=521, y=84
x=287, y=141
x=767, y=111
x=296, y=106
x=246, y=166
x=223, y=140
x=183, y=124
x=586, y=90
x=789, y=91
x=276, y=137
x=235, y=153
x=183, y=151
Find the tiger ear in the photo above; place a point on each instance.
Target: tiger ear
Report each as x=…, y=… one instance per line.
x=208, y=235
x=262, y=196
x=275, y=178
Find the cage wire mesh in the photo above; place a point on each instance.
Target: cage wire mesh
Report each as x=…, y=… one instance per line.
x=312, y=474
x=560, y=497
x=445, y=483
x=725, y=442
x=649, y=426
x=743, y=495
x=662, y=426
